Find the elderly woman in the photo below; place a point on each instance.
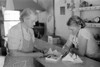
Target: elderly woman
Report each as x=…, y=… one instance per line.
x=21, y=41
x=81, y=38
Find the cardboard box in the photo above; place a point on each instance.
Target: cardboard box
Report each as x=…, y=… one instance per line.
x=53, y=40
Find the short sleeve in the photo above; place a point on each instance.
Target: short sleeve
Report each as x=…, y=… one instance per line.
x=14, y=38
x=85, y=33
x=69, y=41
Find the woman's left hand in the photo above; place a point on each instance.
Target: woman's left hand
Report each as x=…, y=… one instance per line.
x=45, y=50
x=72, y=50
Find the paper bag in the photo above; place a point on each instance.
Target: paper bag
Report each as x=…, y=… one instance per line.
x=68, y=57
x=72, y=58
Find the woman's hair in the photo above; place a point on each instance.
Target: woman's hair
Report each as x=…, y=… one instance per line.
x=76, y=20
x=27, y=12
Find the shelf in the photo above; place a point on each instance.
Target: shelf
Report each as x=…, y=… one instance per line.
x=86, y=8
x=92, y=24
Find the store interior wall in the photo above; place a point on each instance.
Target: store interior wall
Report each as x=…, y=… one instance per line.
x=61, y=20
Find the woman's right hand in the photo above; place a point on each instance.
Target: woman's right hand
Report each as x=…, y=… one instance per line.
x=38, y=54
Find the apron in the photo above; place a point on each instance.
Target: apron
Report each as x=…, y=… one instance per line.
x=21, y=61
x=75, y=41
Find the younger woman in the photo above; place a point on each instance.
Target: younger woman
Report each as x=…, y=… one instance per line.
x=82, y=39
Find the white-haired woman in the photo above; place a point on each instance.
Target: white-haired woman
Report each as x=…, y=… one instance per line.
x=21, y=41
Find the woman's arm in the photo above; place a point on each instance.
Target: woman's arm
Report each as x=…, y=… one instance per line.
x=68, y=44
x=81, y=48
x=28, y=54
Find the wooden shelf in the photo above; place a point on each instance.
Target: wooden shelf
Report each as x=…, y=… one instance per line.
x=92, y=24
x=86, y=8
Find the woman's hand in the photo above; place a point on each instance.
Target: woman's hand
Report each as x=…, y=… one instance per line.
x=38, y=54
x=45, y=50
x=72, y=50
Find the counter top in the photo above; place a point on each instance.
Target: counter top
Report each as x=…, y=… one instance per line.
x=86, y=63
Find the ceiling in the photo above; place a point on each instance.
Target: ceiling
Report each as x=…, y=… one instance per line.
x=47, y=4
x=21, y=4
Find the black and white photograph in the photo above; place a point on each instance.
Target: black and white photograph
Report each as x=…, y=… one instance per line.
x=49, y=33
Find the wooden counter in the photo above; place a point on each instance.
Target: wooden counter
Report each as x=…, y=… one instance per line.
x=86, y=63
